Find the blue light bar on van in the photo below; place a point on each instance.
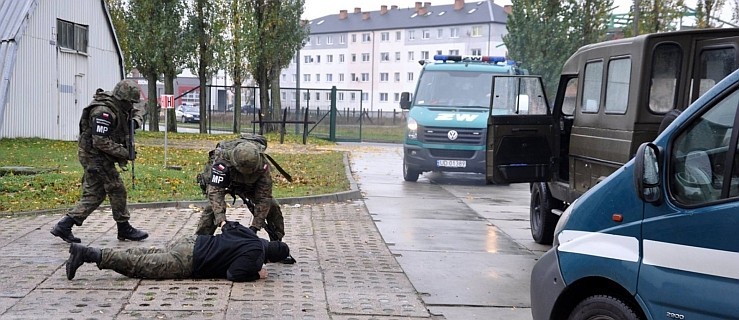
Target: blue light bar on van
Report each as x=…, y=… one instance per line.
x=466, y=58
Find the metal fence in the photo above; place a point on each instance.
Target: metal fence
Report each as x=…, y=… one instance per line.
x=310, y=115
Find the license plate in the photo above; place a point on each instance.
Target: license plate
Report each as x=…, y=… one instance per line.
x=451, y=163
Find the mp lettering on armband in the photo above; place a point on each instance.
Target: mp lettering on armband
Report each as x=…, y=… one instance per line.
x=101, y=124
x=219, y=175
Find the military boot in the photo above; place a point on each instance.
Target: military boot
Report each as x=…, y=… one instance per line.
x=128, y=232
x=63, y=230
x=288, y=260
x=78, y=255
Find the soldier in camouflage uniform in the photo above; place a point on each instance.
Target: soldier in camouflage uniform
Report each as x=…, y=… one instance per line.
x=238, y=167
x=236, y=254
x=104, y=129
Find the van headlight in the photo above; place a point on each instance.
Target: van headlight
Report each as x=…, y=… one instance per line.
x=562, y=222
x=412, y=129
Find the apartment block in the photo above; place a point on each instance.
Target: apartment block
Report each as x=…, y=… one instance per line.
x=378, y=52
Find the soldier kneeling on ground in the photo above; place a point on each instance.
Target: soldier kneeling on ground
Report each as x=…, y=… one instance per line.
x=239, y=167
x=236, y=254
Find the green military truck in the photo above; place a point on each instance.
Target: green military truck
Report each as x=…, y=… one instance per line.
x=611, y=98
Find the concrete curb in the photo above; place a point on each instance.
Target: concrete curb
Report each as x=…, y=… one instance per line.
x=352, y=194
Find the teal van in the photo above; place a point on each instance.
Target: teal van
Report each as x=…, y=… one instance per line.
x=657, y=239
x=448, y=114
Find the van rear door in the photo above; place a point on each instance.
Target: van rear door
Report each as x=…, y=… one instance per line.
x=520, y=135
x=715, y=59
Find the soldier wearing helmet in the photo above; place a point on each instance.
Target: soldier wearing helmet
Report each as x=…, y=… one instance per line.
x=104, y=127
x=238, y=167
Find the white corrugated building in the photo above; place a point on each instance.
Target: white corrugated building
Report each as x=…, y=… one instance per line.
x=53, y=55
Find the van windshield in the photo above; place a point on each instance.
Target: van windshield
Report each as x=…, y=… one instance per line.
x=454, y=89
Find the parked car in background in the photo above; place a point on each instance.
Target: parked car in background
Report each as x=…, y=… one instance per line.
x=186, y=113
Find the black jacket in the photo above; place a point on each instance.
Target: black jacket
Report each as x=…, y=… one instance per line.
x=236, y=254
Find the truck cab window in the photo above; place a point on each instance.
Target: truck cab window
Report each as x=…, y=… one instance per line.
x=666, y=65
x=592, y=82
x=715, y=64
x=570, y=97
x=699, y=155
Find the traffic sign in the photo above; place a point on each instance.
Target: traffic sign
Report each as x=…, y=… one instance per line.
x=166, y=101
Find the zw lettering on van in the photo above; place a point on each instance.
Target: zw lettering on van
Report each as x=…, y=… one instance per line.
x=456, y=116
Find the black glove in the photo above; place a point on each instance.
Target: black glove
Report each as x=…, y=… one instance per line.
x=253, y=228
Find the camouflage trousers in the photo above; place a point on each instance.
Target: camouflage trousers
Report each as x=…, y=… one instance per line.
x=274, y=220
x=100, y=179
x=171, y=262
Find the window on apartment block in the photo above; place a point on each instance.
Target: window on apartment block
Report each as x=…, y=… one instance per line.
x=398, y=35
x=341, y=58
x=397, y=77
x=410, y=76
x=439, y=33
x=354, y=38
x=454, y=32
x=352, y=96
x=365, y=96
x=384, y=76
x=365, y=57
x=342, y=39
x=329, y=58
x=365, y=77
x=341, y=77
x=454, y=52
x=384, y=56
x=353, y=77
x=476, y=52
x=411, y=35
x=383, y=96
x=329, y=40
x=306, y=77
x=476, y=31
x=340, y=96
x=366, y=37
x=329, y=77
x=71, y=35
x=385, y=36
x=411, y=56
x=426, y=34
x=318, y=40
x=396, y=97
x=424, y=55
x=318, y=77
x=397, y=55
x=354, y=57
x=318, y=96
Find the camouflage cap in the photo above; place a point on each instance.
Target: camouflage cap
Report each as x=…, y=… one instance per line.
x=127, y=90
x=247, y=157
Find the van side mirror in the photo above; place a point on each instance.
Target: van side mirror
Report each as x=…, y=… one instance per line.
x=647, y=177
x=405, y=100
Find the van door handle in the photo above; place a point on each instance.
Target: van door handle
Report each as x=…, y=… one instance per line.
x=524, y=130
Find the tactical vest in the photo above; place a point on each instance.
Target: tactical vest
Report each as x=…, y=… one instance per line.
x=119, y=132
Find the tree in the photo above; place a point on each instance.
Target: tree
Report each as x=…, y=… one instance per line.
x=274, y=35
x=705, y=12
x=205, y=25
x=542, y=34
x=657, y=16
x=142, y=19
x=175, y=48
x=235, y=57
x=117, y=9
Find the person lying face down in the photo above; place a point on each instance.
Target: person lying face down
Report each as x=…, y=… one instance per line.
x=237, y=254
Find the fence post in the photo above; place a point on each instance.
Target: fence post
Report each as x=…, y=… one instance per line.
x=332, y=116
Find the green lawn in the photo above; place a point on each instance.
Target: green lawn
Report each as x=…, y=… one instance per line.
x=314, y=170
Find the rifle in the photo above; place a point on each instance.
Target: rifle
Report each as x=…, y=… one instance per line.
x=132, y=151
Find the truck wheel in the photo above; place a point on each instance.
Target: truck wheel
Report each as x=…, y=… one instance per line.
x=410, y=174
x=603, y=307
x=541, y=217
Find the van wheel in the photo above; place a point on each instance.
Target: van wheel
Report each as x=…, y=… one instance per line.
x=603, y=307
x=410, y=174
x=542, y=220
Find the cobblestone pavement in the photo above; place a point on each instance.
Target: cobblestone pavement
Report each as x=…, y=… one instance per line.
x=344, y=271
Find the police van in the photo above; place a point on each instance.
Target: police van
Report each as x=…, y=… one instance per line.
x=447, y=118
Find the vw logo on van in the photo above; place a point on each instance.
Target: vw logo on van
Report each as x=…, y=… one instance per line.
x=452, y=135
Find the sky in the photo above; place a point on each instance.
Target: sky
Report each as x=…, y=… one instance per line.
x=319, y=8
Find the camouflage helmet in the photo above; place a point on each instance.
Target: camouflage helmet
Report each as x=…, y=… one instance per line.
x=127, y=90
x=247, y=157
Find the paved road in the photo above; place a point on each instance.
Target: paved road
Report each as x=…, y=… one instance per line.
x=465, y=246
x=447, y=247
